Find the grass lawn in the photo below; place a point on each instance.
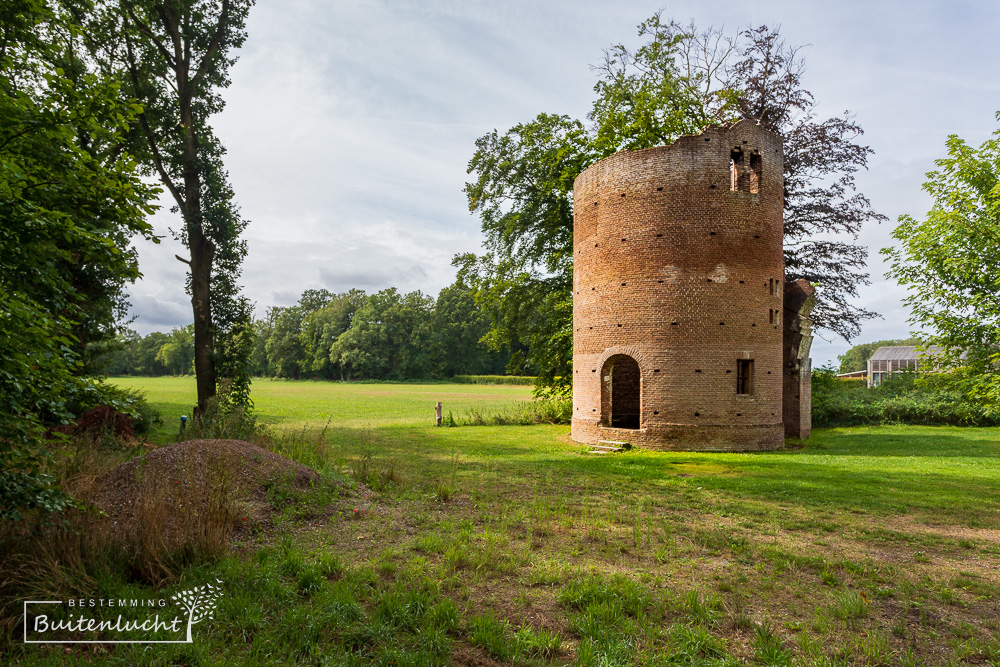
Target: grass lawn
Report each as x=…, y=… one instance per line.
x=485, y=545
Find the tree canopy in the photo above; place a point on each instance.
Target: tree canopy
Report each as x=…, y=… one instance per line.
x=949, y=263
x=70, y=201
x=679, y=81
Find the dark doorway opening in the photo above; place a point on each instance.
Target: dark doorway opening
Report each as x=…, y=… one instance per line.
x=621, y=390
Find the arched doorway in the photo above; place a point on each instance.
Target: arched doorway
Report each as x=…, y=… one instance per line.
x=621, y=392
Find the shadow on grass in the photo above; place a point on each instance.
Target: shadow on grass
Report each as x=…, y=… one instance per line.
x=941, y=441
x=946, y=472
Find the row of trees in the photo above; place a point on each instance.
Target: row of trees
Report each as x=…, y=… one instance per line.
x=151, y=355
x=352, y=335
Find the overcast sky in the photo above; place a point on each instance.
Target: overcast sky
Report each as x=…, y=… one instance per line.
x=349, y=125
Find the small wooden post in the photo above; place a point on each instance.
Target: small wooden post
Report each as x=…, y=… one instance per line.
x=437, y=412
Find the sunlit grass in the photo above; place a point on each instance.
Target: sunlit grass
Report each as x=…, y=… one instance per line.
x=311, y=404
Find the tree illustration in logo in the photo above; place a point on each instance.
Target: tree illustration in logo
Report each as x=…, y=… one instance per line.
x=199, y=602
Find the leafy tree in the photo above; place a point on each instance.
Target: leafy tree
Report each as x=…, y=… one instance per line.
x=284, y=342
x=177, y=353
x=458, y=328
x=176, y=55
x=676, y=83
x=285, y=355
x=389, y=337
x=322, y=326
x=856, y=358
x=259, y=364
x=821, y=159
x=119, y=358
x=145, y=352
x=524, y=280
x=133, y=354
x=948, y=261
x=70, y=200
x=667, y=87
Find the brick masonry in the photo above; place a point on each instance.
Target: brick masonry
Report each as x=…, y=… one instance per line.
x=678, y=266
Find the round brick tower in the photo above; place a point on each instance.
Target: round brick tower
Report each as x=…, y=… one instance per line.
x=677, y=304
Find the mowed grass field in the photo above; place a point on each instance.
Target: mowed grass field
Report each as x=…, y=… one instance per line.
x=510, y=545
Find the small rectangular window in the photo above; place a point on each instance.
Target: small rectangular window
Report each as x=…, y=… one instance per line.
x=735, y=169
x=755, y=173
x=744, y=376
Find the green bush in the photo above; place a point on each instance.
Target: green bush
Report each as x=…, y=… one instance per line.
x=904, y=398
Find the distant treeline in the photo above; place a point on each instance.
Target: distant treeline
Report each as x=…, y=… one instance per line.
x=347, y=336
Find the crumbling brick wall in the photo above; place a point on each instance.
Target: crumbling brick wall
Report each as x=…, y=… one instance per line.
x=797, y=403
x=678, y=265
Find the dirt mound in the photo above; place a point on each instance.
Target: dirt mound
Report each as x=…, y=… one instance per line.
x=200, y=477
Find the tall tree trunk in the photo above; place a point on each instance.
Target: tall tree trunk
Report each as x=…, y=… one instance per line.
x=202, y=252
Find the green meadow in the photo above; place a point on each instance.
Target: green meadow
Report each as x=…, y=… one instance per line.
x=511, y=545
x=306, y=404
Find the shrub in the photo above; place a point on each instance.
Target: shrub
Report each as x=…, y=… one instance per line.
x=904, y=398
x=131, y=402
x=237, y=423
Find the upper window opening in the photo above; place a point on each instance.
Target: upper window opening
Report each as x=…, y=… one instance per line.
x=755, y=172
x=744, y=376
x=744, y=171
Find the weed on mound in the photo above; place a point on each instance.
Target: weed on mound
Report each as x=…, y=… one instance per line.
x=202, y=493
x=149, y=518
x=181, y=474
